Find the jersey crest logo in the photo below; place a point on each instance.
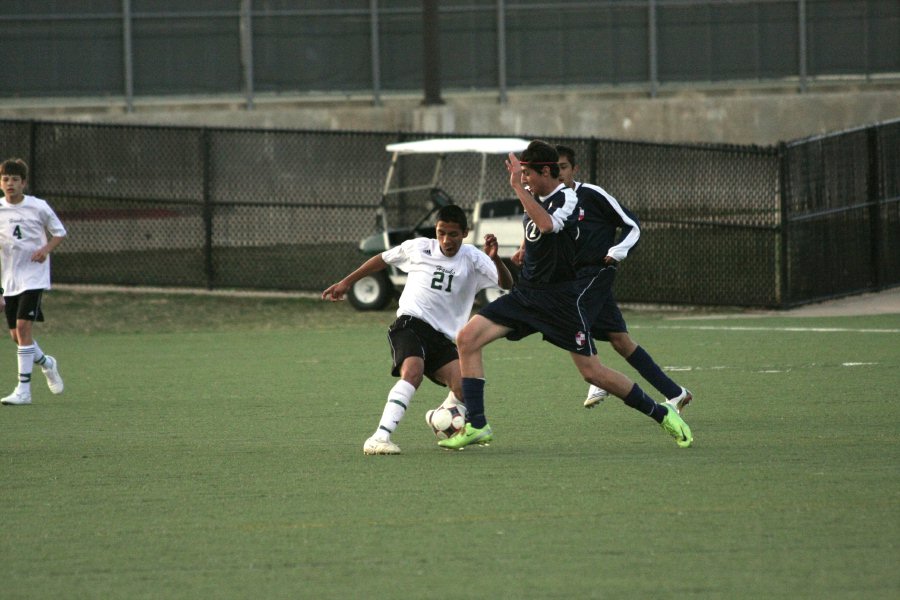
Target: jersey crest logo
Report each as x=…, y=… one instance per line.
x=532, y=232
x=580, y=339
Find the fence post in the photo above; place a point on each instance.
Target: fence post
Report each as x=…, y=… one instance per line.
x=32, y=154
x=783, y=287
x=501, y=50
x=594, y=153
x=205, y=151
x=245, y=26
x=652, y=49
x=801, y=43
x=128, y=55
x=432, y=47
x=874, y=195
x=376, y=52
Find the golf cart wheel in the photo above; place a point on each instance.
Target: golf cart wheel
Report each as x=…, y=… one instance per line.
x=372, y=292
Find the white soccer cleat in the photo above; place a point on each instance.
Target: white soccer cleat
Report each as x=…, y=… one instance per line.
x=595, y=396
x=51, y=372
x=450, y=401
x=17, y=398
x=373, y=446
x=680, y=402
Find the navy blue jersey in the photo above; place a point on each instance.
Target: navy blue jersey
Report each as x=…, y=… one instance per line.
x=600, y=218
x=549, y=257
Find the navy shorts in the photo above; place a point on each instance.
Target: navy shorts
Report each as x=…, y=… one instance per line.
x=25, y=306
x=409, y=336
x=609, y=318
x=562, y=313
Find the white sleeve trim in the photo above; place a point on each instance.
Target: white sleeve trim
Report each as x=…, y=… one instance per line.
x=620, y=250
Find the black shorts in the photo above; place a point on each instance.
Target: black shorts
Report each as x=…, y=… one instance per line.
x=609, y=319
x=409, y=336
x=25, y=306
x=562, y=313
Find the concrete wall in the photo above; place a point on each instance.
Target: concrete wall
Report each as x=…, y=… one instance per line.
x=759, y=115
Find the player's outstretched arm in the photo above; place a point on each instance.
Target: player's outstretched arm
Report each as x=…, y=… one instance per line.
x=337, y=290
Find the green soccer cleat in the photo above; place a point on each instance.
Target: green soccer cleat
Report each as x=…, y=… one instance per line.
x=467, y=437
x=676, y=427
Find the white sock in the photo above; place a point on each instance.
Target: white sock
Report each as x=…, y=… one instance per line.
x=26, y=364
x=398, y=401
x=39, y=357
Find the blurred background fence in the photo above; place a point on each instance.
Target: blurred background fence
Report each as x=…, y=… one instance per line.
x=285, y=210
x=138, y=48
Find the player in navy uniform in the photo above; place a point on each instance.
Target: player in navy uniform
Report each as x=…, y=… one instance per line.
x=548, y=299
x=25, y=247
x=601, y=219
x=444, y=275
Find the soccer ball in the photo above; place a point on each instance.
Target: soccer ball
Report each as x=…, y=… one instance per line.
x=446, y=420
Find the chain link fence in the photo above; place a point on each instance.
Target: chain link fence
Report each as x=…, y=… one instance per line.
x=842, y=213
x=286, y=210
x=704, y=210
x=144, y=48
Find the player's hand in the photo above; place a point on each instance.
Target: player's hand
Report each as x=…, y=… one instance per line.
x=335, y=292
x=609, y=261
x=40, y=255
x=514, y=166
x=518, y=257
x=491, y=246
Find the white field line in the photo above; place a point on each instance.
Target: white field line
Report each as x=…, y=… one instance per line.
x=682, y=368
x=754, y=328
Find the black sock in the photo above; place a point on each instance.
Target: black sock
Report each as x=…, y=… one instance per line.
x=649, y=370
x=638, y=400
x=473, y=397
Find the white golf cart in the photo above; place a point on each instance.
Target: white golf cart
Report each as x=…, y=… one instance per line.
x=502, y=217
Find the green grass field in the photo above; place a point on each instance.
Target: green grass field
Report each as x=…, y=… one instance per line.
x=210, y=447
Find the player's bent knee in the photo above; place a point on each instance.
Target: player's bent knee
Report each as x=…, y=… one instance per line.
x=477, y=334
x=413, y=371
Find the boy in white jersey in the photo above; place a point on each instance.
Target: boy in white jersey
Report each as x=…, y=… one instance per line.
x=444, y=275
x=25, y=248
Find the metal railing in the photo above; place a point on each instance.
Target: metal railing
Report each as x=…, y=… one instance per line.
x=253, y=47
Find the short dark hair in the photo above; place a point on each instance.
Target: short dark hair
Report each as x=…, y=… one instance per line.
x=453, y=214
x=14, y=166
x=540, y=154
x=567, y=152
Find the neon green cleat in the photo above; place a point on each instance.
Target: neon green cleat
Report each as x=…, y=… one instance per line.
x=676, y=427
x=468, y=436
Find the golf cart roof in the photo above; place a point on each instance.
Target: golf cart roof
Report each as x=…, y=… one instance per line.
x=449, y=145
